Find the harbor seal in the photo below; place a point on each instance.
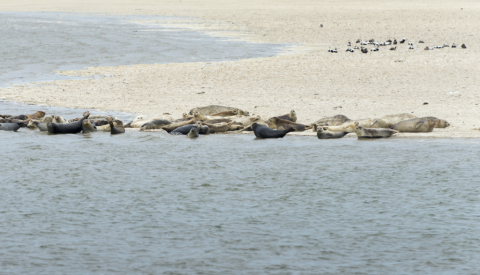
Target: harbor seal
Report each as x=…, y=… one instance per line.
x=394, y=119
x=67, y=128
x=155, y=124
x=332, y=121
x=324, y=134
x=170, y=127
x=218, y=128
x=9, y=127
x=59, y=119
x=194, y=132
x=439, y=123
x=282, y=124
x=116, y=129
x=226, y=113
x=262, y=131
x=37, y=115
x=213, y=109
x=415, y=125
x=184, y=130
x=87, y=127
x=41, y=126
x=362, y=132
x=347, y=127
x=292, y=116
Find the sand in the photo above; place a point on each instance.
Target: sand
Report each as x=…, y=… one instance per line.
x=309, y=80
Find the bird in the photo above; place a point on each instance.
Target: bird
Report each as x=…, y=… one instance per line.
x=421, y=41
x=395, y=42
x=426, y=48
x=356, y=48
x=393, y=48
x=410, y=43
x=411, y=48
x=463, y=46
x=330, y=50
x=389, y=40
x=335, y=51
x=358, y=41
x=403, y=41
x=364, y=50
x=453, y=45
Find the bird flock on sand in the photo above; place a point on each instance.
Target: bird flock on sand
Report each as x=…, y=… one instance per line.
x=393, y=45
x=214, y=119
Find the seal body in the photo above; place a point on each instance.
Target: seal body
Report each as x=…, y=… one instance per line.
x=67, y=128
x=170, y=127
x=184, y=130
x=155, y=124
x=332, y=121
x=194, y=132
x=262, y=131
x=439, y=123
x=213, y=109
x=350, y=127
x=394, y=119
x=116, y=129
x=373, y=133
x=41, y=126
x=9, y=127
x=226, y=113
x=87, y=127
x=415, y=125
x=282, y=124
x=292, y=116
x=218, y=128
x=324, y=134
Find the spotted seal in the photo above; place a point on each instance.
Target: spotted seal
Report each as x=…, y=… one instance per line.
x=9, y=127
x=262, y=131
x=213, y=109
x=67, y=128
x=87, y=127
x=282, y=124
x=362, y=132
x=155, y=124
x=332, y=121
x=226, y=113
x=292, y=116
x=415, y=125
x=116, y=129
x=324, y=134
x=439, y=123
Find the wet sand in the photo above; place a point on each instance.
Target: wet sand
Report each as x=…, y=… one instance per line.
x=311, y=81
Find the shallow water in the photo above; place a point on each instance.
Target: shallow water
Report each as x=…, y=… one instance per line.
x=34, y=44
x=149, y=203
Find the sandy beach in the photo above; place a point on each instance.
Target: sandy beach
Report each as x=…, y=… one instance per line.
x=309, y=79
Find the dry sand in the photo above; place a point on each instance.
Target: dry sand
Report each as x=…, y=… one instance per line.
x=310, y=80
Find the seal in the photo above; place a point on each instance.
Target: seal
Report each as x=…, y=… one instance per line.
x=41, y=126
x=184, y=130
x=47, y=119
x=87, y=127
x=139, y=121
x=262, y=131
x=194, y=132
x=282, y=124
x=393, y=119
x=324, y=134
x=171, y=127
x=226, y=113
x=213, y=109
x=332, y=121
x=59, y=119
x=218, y=128
x=373, y=133
x=347, y=127
x=116, y=129
x=155, y=124
x=9, y=127
x=67, y=128
x=439, y=123
x=292, y=116
x=37, y=115
x=415, y=125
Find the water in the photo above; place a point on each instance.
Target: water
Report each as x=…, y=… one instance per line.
x=152, y=203
x=36, y=44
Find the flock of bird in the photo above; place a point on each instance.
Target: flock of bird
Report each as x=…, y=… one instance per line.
x=377, y=45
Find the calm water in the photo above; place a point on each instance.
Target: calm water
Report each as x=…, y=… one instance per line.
x=152, y=203
x=35, y=44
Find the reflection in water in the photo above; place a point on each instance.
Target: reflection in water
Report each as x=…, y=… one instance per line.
x=229, y=204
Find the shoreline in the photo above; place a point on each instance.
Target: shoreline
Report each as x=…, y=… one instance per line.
x=311, y=81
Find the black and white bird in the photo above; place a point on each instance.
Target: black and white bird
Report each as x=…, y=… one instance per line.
x=393, y=48
x=395, y=42
x=356, y=48
x=364, y=50
x=403, y=41
x=349, y=44
x=410, y=43
x=410, y=48
x=463, y=46
x=453, y=45
x=421, y=41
